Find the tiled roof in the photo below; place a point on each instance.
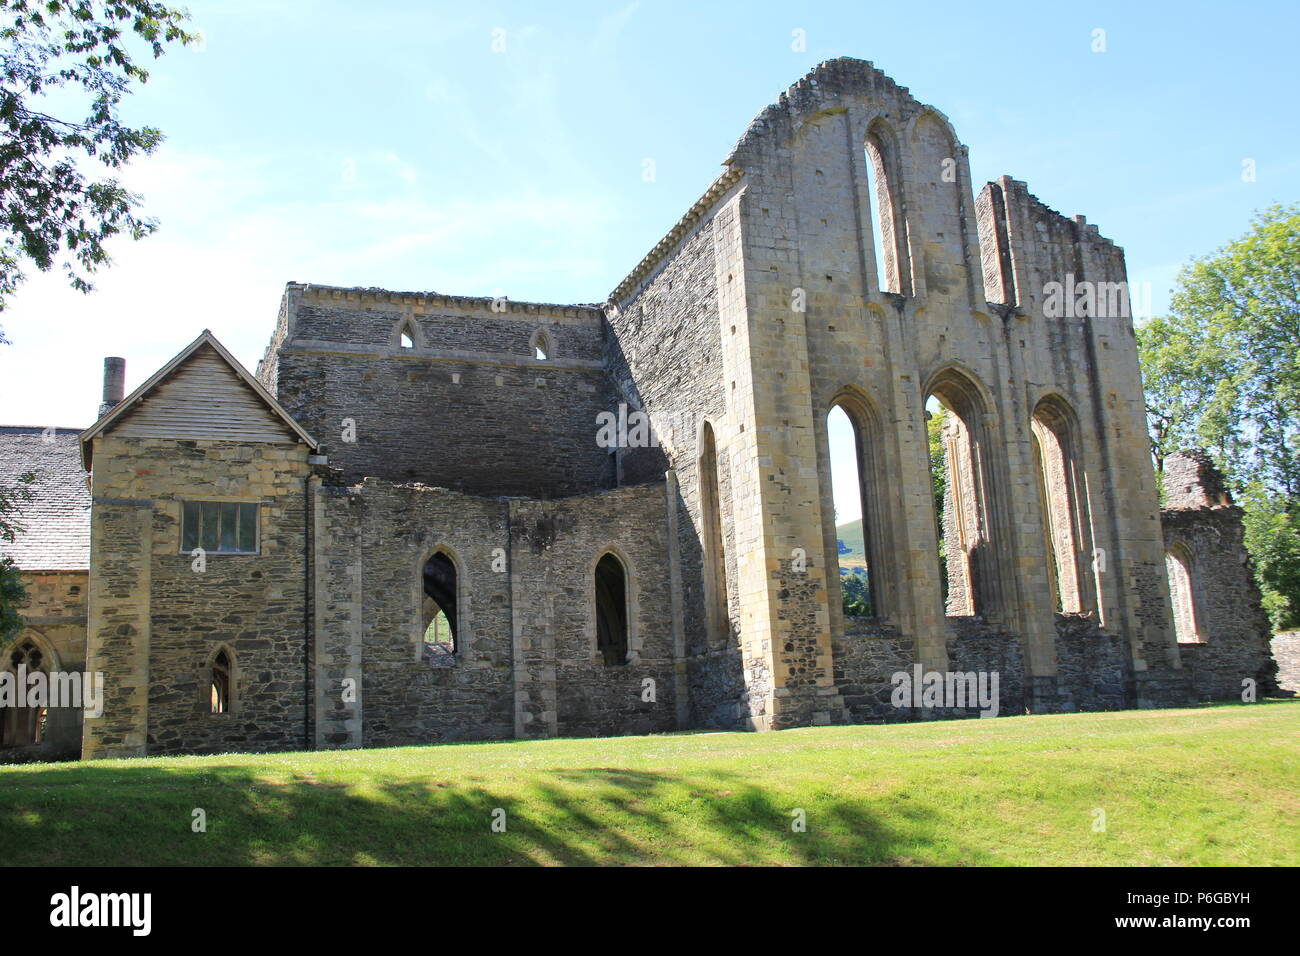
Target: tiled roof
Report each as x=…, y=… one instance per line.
x=55, y=533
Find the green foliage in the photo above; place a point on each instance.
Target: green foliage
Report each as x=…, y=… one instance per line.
x=856, y=593
x=12, y=596
x=1222, y=372
x=939, y=481
x=48, y=205
x=11, y=498
x=1273, y=541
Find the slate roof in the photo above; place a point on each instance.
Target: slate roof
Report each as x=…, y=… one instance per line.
x=56, y=521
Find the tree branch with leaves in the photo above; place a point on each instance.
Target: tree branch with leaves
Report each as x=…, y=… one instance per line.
x=51, y=209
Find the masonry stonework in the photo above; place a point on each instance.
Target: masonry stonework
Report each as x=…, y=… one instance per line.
x=418, y=452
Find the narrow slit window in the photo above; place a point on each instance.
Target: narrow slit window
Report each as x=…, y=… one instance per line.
x=848, y=493
x=220, y=690
x=1178, y=565
x=877, y=238
x=611, y=611
x=718, y=613
x=1065, y=508
x=439, y=609
x=887, y=229
x=406, y=340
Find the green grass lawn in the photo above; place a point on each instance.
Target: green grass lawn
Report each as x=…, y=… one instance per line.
x=1206, y=786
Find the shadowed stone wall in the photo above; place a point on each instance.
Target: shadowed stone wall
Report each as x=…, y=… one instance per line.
x=467, y=408
x=526, y=662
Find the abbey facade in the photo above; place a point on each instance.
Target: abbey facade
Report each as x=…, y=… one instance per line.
x=427, y=518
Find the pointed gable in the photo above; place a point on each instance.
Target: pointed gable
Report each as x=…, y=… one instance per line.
x=201, y=394
x=203, y=398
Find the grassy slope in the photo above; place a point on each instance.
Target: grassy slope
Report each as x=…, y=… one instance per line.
x=850, y=535
x=1215, y=785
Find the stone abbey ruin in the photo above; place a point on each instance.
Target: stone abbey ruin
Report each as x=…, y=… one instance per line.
x=405, y=527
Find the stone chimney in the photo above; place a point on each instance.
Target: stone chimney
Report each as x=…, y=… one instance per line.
x=114, y=384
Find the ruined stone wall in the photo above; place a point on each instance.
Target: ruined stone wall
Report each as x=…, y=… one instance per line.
x=372, y=546
x=1095, y=667
x=869, y=654
x=554, y=549
x=156, y=623
x=1234, y=629
x=865, y=661
x=822, y=328
x=467, y=408
x=526, y=662
x=1083, y=357
x=664, y=352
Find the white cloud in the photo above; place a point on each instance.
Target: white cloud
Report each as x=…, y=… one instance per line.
x=227, y=246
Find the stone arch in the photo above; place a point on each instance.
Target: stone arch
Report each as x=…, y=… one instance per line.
x=889, y=219
x=30, y=650
x=1063, y=495
x=1184, y=587
x=869, y=448
x=968, y=526
x=542, y=346
x=440, y=586
x=610, y=611
x=717, y=593
x=49, y=653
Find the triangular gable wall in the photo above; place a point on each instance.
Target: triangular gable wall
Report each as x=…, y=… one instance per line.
x=203, y=399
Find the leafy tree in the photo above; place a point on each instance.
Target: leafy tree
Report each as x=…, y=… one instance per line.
x=1273, y=542
x=65, y=52
x=855, y=593
x=12, y=596
x=11, y=499
x=1222, y=372
x=12, y=592
x=72, y=57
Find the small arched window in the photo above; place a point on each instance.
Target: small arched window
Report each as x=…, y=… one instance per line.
x=219, y=693
x=541, y=347
x=611, y=610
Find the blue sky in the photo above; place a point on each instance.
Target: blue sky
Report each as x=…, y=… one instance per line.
x=387, y=144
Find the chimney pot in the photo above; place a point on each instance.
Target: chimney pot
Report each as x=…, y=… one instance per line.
x=114, y=384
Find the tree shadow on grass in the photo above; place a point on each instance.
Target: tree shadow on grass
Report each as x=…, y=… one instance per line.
x=116, y=815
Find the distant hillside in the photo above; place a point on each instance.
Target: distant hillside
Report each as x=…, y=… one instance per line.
x=850, y=538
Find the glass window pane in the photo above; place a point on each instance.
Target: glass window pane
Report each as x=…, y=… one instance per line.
x=229, y=526
x=248, y=527
x=208, y=539
x=189, y=526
